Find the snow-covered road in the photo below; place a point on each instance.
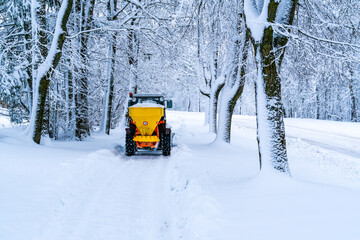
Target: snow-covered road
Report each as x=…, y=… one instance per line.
x=340, y=137
x=124, y=201
x=204, y=190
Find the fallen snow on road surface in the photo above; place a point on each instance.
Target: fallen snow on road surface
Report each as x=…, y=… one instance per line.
x=204, y=190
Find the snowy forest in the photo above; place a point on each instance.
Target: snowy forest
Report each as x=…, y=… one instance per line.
x=73, y=63
x=264, y=130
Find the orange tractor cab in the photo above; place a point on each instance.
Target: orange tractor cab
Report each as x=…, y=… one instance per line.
x=146, y=124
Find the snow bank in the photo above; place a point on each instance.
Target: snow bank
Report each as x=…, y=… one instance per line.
x=5, y=122
x=226, y=198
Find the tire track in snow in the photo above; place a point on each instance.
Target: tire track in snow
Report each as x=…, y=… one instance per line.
x=125, y=198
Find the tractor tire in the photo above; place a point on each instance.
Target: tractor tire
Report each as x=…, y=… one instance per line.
x=166, y=144
x=130, y=146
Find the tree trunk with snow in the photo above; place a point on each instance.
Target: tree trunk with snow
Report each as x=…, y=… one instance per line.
x=354, y=117
x=81, y=98
x=213, y=109
x=109, y=95
x=133, y=55
x=37, y=32
x=199, y=68
x=46, y=70
x=209, y=67
x=69, y=102
x=269, y=51
x=27, y=47
x=110, y=91
x=213, y=91
x=234, y=84
x=42, y=31
x=269, y=110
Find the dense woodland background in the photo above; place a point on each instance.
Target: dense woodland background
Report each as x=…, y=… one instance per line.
x=183, y=49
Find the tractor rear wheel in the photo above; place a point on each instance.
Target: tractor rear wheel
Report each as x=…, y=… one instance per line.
x=166, y=144
x=129, y=145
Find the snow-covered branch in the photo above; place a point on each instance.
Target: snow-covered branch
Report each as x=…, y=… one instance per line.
x=289, y=31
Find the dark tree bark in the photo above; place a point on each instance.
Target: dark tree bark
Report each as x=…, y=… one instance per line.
x=214, y=99
x=354, y=117
x=274, y=107
x=317, y=92
x=70, y=104
x=111, y=84
x=41, y=19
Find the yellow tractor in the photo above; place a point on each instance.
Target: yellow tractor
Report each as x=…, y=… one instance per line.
x=146, y=124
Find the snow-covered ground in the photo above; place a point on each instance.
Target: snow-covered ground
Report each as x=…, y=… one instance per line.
x=204, y=190
x=4, y=121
